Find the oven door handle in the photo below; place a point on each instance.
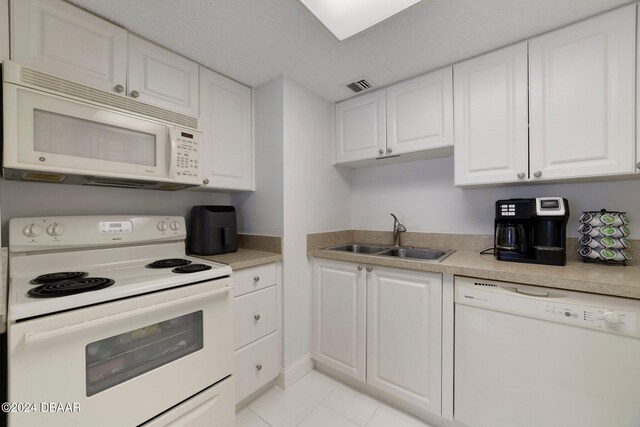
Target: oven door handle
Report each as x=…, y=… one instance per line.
x=32, y=337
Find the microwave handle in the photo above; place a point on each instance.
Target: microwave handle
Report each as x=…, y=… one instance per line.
x=173, y=155
x=32, y=337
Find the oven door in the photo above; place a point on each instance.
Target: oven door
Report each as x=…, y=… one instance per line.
x=49, y=133
x=121, y=363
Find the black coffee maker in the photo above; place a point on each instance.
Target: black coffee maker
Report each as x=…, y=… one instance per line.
x=531, y=230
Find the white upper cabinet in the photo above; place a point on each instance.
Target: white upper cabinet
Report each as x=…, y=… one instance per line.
x=57, y=38
x=339, y=316
x=419, y=113
x=582, y=98
x=404, y=324
x=227, y=142
x=491, y=134
x=406, y=121
x=163, y=78
x=361, y=128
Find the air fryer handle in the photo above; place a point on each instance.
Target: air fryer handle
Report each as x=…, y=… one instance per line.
x=226, y=236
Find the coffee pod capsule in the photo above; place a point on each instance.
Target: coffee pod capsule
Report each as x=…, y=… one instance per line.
x=614, y=243
x=624, y=218
x=626, y=254
x=586, y=217
x=589, y=241
x=588, y=230
x=587, y=252
x=612, y=255
x=611, y=219
x=611, y=231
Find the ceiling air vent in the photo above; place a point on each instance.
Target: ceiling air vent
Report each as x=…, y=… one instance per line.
x=359, y=85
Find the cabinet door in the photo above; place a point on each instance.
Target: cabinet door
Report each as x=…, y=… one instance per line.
x=361, y=128
x=491, y=123
x=582, y=105
x=420, y=113
x=57, y=38
x=339, y=316
x=227, y=143
x=404, y=320
x=163, y=78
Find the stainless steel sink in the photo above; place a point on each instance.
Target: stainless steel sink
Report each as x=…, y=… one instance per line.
x=433, y=255
x=405, y=252
x=359, y=249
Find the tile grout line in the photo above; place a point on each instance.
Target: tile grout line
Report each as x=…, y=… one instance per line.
x=342, y=416
x=258, y=415
x=373, y=415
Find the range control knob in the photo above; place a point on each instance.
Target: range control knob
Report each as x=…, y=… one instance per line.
x=174, y=225
x=162, y=226
x=611, y=318
x=55, y=229
x=32, y=230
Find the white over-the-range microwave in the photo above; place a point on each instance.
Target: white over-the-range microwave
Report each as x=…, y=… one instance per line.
x=56, y=130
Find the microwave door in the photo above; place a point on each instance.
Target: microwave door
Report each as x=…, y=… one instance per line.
x=60, y=135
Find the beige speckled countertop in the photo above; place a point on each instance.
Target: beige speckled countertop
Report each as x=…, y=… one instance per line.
x=244, y=258
x=575, y=275
x=252, y=250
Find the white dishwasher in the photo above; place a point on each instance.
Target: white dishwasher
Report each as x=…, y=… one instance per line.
x=529, y=356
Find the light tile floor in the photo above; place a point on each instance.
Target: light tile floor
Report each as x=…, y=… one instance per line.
x=320, y=401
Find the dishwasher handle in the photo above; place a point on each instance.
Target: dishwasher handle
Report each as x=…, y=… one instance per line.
x=531, y=293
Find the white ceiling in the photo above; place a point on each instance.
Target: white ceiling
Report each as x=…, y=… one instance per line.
x=254, y=41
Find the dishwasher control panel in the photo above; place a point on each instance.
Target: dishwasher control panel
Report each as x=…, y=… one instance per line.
x=605, y=313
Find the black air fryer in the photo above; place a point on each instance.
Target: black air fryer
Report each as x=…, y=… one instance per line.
x=213, y=230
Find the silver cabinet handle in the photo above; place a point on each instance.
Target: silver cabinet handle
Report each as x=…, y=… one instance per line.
x=119, y=88
x=205, y=181
x=369, y=269
x=381, y=151
x=537, y=174
x=257, y=317
x=389, y=150
x=521, y=175
x=259, y=367
x=359, y=268
x=638, y=165
x=135, y=93
x=256, y=279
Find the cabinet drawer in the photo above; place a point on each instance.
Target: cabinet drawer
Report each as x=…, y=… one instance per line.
x=256, y=365
x=254, y=278
x=255, y=315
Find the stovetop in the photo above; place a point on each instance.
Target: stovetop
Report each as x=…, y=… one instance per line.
x=96, y=259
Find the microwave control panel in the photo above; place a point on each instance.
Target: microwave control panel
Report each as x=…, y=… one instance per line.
x=187, y=158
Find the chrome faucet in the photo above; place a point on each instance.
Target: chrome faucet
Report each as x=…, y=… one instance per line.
x=397, y=229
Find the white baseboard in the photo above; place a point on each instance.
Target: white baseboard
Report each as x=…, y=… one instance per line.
x=293, y=373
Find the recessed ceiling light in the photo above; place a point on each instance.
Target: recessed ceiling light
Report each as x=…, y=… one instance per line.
x=344, y=18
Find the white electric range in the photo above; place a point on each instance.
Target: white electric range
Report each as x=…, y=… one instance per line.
x=111, y=321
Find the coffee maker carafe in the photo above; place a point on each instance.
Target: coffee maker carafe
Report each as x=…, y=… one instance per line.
x=531, y=230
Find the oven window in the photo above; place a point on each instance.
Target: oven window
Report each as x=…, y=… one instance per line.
x=119, y=358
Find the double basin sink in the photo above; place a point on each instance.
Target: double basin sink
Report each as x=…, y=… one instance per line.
x=404, y=252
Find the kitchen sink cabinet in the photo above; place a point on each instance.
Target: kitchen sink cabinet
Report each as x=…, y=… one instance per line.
x=404, y=320
x=339, y=321
x=381, y=326
x=58, y=38
x=163, y=78
x=226, y=113
x=412, y=118
x=581, y=106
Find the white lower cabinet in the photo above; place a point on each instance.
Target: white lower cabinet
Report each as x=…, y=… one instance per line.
x=339, y=321
x=404, y=319
x=381, y=326
x=257, y=356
